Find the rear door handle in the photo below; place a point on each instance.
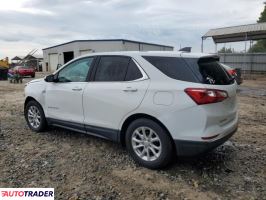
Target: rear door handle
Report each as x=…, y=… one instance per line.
x=76, y=89
x=130, y=89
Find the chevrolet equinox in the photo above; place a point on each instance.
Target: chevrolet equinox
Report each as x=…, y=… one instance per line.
x=157, y=104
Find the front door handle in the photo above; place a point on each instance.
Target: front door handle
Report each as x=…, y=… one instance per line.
x=76, y=89
x=130, y=89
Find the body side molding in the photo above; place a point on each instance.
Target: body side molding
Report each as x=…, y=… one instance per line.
x=105, y=133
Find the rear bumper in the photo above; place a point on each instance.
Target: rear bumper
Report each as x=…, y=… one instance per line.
x=193, y=148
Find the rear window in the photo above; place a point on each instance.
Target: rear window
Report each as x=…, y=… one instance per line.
x=112, y=68
x=209, y=71
x=173, y=67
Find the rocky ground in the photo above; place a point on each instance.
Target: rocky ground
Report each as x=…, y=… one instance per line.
x=80, y=166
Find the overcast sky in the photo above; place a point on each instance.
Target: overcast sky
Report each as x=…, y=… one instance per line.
x=28, y=24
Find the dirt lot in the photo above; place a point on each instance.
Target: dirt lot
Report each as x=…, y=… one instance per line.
x=80, y=166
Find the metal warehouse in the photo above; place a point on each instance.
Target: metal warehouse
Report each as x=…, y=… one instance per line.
x=62, y=53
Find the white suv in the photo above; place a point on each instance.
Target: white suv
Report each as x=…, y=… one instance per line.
x=155, y=103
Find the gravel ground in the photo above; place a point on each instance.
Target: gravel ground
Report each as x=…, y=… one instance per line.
x=80, y=166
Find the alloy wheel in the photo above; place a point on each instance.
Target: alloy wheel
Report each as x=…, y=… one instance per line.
x=34, y=117
x=146, y=143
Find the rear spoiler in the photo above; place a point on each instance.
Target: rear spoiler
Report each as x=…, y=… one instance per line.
x=209, y=58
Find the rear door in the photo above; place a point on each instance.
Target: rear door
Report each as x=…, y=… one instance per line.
x=118, y=88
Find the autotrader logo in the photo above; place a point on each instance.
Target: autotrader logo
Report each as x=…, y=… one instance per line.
x=27, y=193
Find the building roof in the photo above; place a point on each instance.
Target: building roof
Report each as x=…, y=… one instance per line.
x=109, y=40
x=28, y=57
x=237, y=33
x=17, y=58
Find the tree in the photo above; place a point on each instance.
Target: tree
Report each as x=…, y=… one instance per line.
x=262, y=17
x=226, y=50
x=260, y=46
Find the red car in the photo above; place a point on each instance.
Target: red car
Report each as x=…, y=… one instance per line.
x=233, y=73
x=23, y=71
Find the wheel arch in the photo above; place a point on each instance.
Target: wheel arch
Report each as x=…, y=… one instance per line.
x=28, y=99
x=133, y=117
x=44, y=120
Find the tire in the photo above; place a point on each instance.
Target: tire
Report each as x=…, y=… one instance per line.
x=33, y=76
x=35, y=107
x=161, y=157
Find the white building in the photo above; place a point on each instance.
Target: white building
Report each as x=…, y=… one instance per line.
x=62, y=53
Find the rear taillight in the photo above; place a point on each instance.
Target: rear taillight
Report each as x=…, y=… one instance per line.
x=232, y=72
x=206, y=96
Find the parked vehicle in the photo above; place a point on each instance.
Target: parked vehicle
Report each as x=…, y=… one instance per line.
x=234, y=73
x=23, y=71
x=155, y=103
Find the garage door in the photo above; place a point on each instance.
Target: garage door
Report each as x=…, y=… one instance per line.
x=83, y=52
x=53, y=61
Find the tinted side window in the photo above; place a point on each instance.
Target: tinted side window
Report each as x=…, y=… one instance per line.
x=112, y=68
x=76, y=71
x=133, y=72
x=173, y=67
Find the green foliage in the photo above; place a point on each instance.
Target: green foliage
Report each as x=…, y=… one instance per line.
x=260, y=46
x=226, y=50
x=262, y=17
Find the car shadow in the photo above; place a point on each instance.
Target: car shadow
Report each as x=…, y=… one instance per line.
x=220, y=161
x=217, y=161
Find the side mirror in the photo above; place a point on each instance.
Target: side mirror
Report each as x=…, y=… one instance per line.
x=50, y=78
